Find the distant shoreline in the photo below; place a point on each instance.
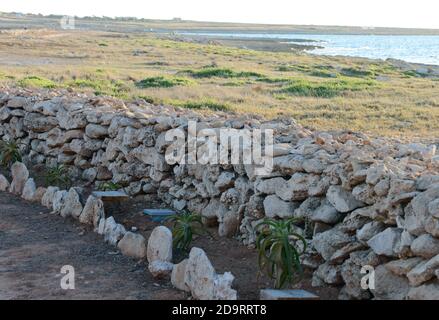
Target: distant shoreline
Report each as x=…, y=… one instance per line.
x=131, y=24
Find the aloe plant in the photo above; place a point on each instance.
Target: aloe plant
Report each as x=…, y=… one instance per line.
x=57, y=176
x=9, y=153
x=185, y=226
x=278, y=253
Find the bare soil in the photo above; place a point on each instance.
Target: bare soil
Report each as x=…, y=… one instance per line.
x=35, y=244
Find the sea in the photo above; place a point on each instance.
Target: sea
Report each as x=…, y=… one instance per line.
x=411, y=48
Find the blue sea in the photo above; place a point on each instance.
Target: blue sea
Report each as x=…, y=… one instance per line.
x=416, y=49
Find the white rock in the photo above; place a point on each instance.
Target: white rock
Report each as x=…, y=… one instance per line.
x=386, y=242
x=297, y=187
x=423, y=272
x=29, y=190
x=96, y=131
x=160, y=269
x=389, y=286
x=72, y=205
x=223, y=287
x=369, y=230
x=328, y=242
x=425, y=292
x=133, y=245
x=93, y=211
x=178, y=275
x=425, y=246
x=48, y=197
x=113, y=232
x=326, y=213
x=403, y=266
x=4, y=183
x=275, y=207
x=160, y=245
x=20, y=174
x=203, y=281
x=342, y=199
x=58, y=200
x=433, y=208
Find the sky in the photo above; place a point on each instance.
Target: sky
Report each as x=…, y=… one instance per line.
x=368, y=13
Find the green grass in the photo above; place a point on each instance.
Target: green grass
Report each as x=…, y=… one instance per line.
x=355, y=72
x=163, y=82
x=115, y=88
x=327, y=89
x=209, y=104
x=221, y=73
x=36, y=82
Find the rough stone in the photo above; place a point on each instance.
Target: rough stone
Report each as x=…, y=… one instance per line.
x=29, y=190
x=72, y=205
x=133, y=245
x=20, y=174
x=4, y=183
x=93, y=211
x=342, y=199
x=160, y=245
x=425, y=246
x=178, y=276
x=275, y=207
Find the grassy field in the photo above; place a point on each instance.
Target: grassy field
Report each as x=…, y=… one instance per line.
x=319, y=92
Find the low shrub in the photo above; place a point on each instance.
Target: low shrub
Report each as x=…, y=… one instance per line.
x=36, y=82
x=163, y=82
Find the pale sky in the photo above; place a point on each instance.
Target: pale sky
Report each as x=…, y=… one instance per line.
x=370, y=13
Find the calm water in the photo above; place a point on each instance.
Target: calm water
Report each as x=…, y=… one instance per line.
x=419, y=49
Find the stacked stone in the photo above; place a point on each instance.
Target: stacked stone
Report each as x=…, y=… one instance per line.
x=362, y=201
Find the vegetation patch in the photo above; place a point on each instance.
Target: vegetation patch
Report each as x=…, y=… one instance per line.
x=202, y=104
x=359, y=73
x=163, y=82
x=36, y=82
x=327, y=89
x=222, y=73
x=115, y=88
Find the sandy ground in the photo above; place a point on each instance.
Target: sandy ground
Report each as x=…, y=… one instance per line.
x=34, y=245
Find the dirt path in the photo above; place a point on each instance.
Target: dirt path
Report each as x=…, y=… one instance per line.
x=35, y=244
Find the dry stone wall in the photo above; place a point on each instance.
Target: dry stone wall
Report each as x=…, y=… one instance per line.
x=362, y=202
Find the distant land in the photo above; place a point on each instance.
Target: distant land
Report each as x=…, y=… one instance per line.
x=15, y=20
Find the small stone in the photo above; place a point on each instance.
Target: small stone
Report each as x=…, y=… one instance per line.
x=425, y=246
x=133, y=245
x=20, y=174
x=403, y=266
x=275, y=207
x=425, y=292
x=342, y=199
x=29, y=190
x=178, y=274
x=389, y=286
x=93, y=211
x=72, y=205
x=48, y=197
x=423, y=272
x=160, y=245
x=4, y=183
x=385, y=243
